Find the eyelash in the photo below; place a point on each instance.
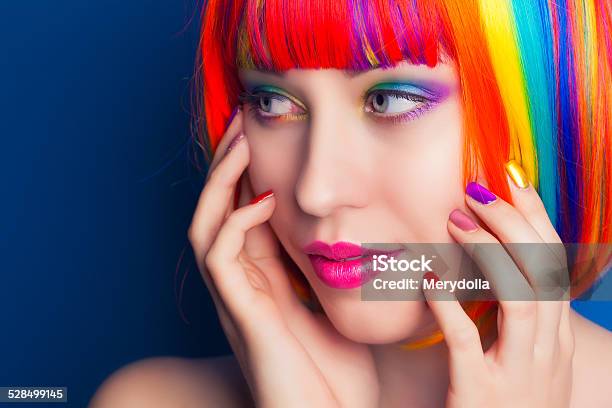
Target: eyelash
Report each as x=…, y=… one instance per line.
x=252, y=99
x=401, y=117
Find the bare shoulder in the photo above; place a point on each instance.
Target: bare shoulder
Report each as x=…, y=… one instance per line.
x=161, y=382
x=592, y=363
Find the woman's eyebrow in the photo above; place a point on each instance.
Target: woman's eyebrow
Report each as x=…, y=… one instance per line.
x=354, y=73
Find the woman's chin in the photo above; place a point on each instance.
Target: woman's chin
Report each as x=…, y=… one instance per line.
x=379, y=322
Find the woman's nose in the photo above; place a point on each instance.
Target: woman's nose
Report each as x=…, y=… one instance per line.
x=335, y=171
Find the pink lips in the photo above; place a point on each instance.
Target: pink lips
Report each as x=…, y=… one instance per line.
x=331, y=265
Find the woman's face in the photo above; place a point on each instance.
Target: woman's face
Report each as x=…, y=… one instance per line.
x=357, y=157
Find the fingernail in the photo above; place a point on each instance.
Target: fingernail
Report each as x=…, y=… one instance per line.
x=517, y=174
x=261, y=197
x=237, y=139
x=431, y=276
x=232, y=116
x=479, y=193
x=462, y=220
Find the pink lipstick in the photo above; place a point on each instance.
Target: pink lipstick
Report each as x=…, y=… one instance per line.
x=342, y=265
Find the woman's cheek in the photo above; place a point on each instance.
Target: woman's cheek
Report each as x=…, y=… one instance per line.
x=273, y=155
x=274, y=165
x=427, y=166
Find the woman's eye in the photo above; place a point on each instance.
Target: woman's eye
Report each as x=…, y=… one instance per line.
x=387, y=103
x=277, y=105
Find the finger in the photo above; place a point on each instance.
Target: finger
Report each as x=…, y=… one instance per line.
x=231, y=137
x=204, y=223
x=227, y=272
x=503, y=219
x=262, y=246
x=213, y=204
x=260, y=241
x=527, y=201
x=510, y=287
x=466, y=357
x=506, y=279
x=535, y=259
x=202, y=229
x=208, y=216
x=257, y=325
x=216, y=199
x=234, y=129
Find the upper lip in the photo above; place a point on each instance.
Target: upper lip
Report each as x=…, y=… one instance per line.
x=339, y=251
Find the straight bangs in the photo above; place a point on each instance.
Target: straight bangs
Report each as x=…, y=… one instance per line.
x=278, y=35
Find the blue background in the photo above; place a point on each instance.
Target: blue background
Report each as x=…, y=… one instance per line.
x=98, y=190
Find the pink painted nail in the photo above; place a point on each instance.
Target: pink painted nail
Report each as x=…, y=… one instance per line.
x=462, y=220
x=237, y=139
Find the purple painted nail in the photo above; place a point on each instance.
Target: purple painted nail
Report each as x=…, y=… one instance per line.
x=232, y=116
x=237, y=139
x=479, y=193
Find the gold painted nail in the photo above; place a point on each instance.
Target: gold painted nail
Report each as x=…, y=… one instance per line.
x=517, y=174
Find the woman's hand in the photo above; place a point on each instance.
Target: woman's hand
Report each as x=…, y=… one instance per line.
x=290, y=357
x=530, y=363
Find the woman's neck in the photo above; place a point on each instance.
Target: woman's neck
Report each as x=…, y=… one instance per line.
x=415, y=378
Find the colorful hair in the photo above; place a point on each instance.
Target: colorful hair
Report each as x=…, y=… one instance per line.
x=535, y=80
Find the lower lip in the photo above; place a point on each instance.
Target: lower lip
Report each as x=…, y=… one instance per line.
x=347, y=274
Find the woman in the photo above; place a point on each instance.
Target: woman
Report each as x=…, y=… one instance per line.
x=338, y=123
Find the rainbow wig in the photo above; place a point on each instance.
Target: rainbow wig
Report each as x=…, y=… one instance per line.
x=535, y=80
